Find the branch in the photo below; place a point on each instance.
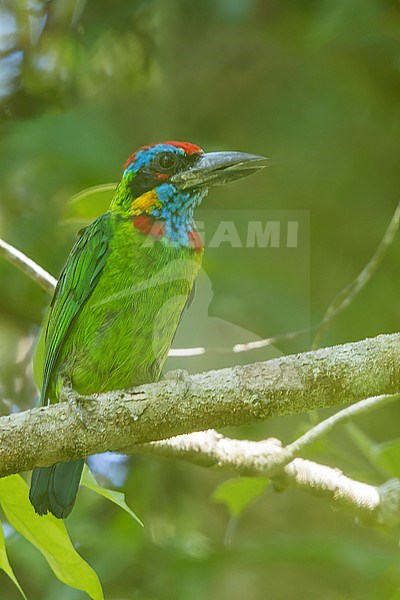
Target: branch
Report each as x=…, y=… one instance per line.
x=311, y=436
x=235, y=396
x=375, y=505
x=347, y=295
x=127, y=421
x=28, y=266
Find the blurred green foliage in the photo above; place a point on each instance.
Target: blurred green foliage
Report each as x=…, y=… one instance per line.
x=314, y=85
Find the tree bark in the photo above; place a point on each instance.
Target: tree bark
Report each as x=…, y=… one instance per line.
x=235, y=396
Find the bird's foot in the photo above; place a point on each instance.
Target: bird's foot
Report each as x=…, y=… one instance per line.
x=177, y=375
x=78, y=402
x=181, y=377
x=68, y=393
x=83, y=398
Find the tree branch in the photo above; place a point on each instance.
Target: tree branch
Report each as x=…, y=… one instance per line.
x=311, y=436
x=130, y=421
x=28, y=266
x=375, y=505
x=348, y=293
x=235, y=396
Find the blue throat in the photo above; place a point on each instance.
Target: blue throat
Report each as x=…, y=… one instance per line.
x=177, y=213
x=177, y=207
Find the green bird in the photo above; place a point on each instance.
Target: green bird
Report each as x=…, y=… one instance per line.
x=121, y=293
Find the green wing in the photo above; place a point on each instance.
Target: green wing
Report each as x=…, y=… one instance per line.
x=75, y=285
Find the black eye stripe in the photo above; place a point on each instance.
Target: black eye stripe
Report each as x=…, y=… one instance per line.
x=145, y=179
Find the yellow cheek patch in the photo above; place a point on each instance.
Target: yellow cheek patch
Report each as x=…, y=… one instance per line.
x=145, y=203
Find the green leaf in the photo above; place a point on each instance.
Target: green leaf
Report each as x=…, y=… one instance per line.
x=117, y=497
x=239, y=493
x=49, y=536
x=4, y=563
x=89, y=203
x=387, y=455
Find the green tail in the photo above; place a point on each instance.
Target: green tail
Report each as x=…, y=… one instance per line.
x=54, y=489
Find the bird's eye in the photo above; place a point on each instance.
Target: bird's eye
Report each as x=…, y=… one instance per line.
x=166, y=161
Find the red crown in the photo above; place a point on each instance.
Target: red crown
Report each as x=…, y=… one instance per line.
x=187, y=147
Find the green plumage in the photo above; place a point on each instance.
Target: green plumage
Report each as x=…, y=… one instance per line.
x=116, y=308
x=124, y=286
x=112, y=319
x=54, y=488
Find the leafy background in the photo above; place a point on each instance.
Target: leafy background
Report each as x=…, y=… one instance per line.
x=314, y=85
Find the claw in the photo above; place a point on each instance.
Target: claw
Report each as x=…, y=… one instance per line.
x=180, y=376
x=70, y=395
x=177, y=375
x=75, y=400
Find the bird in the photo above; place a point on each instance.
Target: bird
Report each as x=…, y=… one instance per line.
x=122, y=291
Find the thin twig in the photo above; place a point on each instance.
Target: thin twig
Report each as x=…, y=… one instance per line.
x=347, y=295
x=364, y=406
x=237, y=348
x=28, y=266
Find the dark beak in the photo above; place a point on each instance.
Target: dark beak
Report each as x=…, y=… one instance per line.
x=217, y=168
